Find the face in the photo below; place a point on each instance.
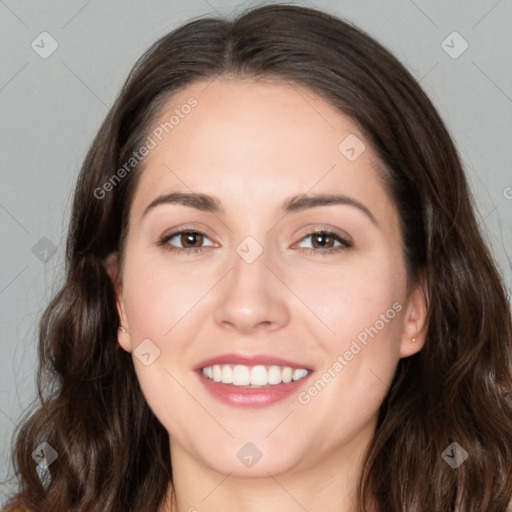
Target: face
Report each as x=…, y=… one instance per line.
x=260, y=288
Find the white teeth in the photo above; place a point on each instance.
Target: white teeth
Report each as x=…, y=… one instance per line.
x=274, y=375
x=259, y=376
x=217, y=373
x=299, y=373
x=287, y=374
x=241, y=375
x=253, y=376
x=227, y=374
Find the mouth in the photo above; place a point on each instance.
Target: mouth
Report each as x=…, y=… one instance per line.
x=251, y=381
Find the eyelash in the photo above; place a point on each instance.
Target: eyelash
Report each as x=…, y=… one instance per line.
x=345, y=244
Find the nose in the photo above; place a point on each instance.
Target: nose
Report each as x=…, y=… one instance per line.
x=252, y=298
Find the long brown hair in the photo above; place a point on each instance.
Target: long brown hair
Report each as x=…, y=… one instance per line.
x=113, y=454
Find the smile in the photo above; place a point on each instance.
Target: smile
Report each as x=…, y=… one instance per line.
x=253, y=376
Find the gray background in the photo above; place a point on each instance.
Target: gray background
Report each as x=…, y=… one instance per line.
x=51, y=108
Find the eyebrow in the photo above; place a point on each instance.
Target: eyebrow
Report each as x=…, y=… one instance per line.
x=297, y=203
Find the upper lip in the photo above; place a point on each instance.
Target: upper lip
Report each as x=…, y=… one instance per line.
x=250, y=360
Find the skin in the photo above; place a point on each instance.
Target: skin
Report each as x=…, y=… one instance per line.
x=252, y=145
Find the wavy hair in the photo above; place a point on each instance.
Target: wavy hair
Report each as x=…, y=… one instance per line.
x=113, y=454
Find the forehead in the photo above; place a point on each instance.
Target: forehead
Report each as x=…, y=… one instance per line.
x=253, y=142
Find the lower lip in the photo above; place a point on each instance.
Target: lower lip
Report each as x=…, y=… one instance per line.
x=251, y=397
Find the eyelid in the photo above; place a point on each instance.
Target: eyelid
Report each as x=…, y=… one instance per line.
x=312, y=229
x=186, y=229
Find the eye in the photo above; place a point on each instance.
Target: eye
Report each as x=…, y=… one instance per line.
x=326, y=240
x=190, y=239
x=323, y=242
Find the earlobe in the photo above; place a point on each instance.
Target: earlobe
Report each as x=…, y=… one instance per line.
x=415, y=324
x=123, y=339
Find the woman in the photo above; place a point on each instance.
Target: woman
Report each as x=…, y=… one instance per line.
x=277, y=295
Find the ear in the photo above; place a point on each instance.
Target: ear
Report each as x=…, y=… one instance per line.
x=113, y=268
x=415, y=319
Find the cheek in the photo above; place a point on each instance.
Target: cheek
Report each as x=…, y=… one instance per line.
x=362, y=312
x=158, y=297
x=159, y=305
x=349, y=300
x=368, y=324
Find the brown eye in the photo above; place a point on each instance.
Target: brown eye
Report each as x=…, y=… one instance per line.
x=325, y=242
x=191, y=241
x=322, y=240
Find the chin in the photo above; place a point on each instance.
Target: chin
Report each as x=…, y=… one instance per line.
x=253, y=460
